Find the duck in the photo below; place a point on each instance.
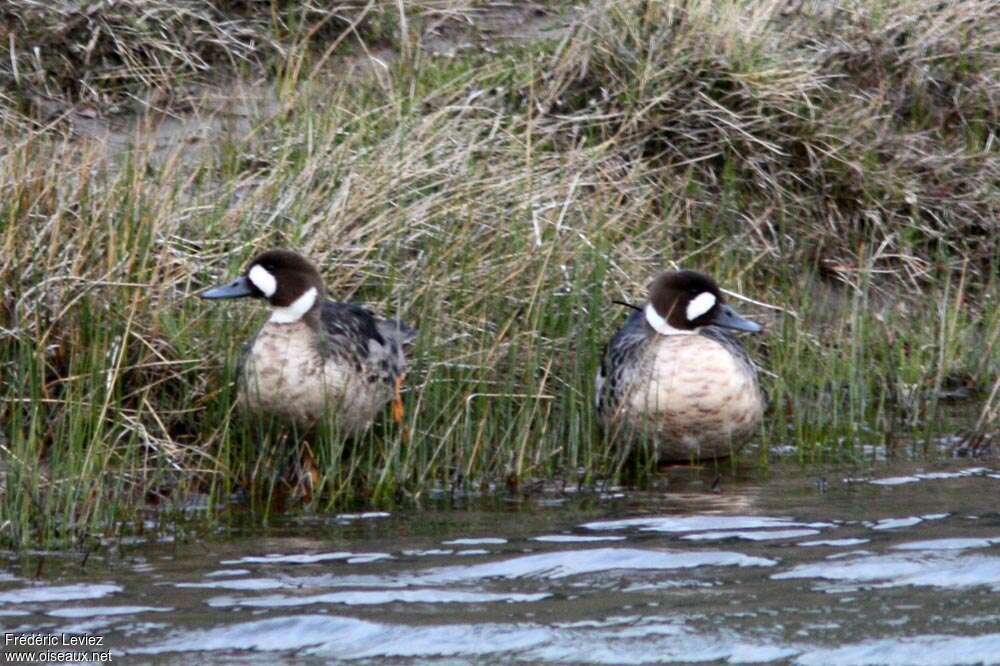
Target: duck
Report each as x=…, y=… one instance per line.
x=314, y=357
x=676, y=375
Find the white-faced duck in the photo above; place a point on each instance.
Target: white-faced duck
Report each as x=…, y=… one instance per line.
x=677, y=376
x=314, y=356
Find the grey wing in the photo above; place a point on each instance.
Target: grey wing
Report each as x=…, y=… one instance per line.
x=619, y=360
x=354, y=332
x=350, y=331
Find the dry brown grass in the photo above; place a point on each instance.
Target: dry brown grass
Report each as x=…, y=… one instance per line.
x=842, y=125
x=121, y=56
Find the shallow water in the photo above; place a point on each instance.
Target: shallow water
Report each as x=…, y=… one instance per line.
x=890, y=566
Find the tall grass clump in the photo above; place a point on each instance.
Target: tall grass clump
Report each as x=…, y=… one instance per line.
x=860, y=123
x=115, y=56
x=499, y=204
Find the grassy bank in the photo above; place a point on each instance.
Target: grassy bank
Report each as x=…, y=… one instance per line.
x=837, y=169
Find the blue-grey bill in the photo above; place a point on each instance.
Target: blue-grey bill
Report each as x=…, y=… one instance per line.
x=726, y=317
x=238, y=288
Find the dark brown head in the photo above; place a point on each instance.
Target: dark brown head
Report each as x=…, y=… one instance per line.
x=289, y=282
x=683, y=301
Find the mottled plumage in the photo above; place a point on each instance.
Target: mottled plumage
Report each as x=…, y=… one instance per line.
x=674, y=376
x=315, y=357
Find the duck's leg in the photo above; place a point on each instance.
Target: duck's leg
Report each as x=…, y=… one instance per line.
x=308, y=472
x=397, y=400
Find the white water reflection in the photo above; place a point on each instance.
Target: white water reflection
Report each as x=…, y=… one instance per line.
x=561, y=564
x=427, y=552
x=480, y=541
x=224, y=573
x=78, y=612
x=930, y=650
x=647, y=642
x=945, y=570
x=947, y=544
x=310, y=558
x=249, y=584
x=374, y=598
x=574, y=538
x=908, y=521
x=834, y=542
x=701, y=523
x=762, y=535
x=50, y=593
x=351, y=517
x=930, y=476
x=350, y=638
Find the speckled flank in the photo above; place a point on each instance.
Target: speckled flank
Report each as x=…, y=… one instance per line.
x=692, y=396
x=284, y=375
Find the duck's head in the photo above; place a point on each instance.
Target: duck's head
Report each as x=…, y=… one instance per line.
x=290, y=283
x=680, y=302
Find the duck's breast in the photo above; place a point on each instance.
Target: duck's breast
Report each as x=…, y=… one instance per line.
x=286, y=375
x=697, y=388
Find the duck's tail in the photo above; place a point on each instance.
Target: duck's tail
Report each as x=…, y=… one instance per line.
x=394, y=329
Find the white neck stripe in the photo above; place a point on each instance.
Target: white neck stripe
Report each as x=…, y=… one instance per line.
x=660, y=324
x=263, y=280
x=294, y=312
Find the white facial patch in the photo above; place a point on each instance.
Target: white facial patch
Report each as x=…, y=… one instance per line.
x=660, y=324
x=299, y=307
x=699, y=305
x=263, y=280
